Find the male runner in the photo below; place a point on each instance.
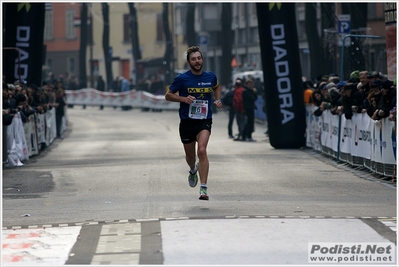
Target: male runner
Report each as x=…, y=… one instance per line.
x=195, y=88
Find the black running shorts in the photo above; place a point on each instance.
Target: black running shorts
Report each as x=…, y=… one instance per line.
x=190, y=128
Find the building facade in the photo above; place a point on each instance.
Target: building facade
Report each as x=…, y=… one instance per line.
x=62, y=38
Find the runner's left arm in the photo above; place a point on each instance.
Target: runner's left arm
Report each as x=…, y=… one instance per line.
x=216, y=96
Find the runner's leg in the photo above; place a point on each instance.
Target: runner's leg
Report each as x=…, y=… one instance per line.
x=189, y=149
x=203, y=168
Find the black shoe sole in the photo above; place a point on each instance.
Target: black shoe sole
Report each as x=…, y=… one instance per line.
x=203, y=198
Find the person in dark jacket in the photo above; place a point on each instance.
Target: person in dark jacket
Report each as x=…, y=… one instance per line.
x=374, y=109
x=239, y=111
x=59, y=111
x=249, y=96
x=389, y=95
x=100, y=86
x=318, y=100
x=352, y=100
x=227, y=101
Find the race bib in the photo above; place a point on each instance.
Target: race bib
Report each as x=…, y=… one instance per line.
x=198, y=109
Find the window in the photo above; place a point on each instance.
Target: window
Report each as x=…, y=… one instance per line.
x=210, y=11
x=48, y=26
x=70, y=29
x=252, y=8
x=71, y=65
x=253, y=36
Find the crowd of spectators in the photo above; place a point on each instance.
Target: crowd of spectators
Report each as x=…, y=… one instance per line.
x=28, y=98
x=365, y=92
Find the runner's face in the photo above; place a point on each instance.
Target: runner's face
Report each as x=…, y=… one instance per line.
x=195, y=61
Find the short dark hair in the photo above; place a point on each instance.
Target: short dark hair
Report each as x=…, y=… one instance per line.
x=192, y=49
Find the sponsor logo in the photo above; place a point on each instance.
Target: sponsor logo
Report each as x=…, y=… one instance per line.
x=22, y=5
x=23, y=39
x=199, y=90
x=272, y=5
x=282, y=69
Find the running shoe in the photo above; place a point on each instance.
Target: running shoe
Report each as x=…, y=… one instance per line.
x=193, y=177
x=203, y=193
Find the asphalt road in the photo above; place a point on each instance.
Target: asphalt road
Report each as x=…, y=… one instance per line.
x=115, y=164
x=129, y=167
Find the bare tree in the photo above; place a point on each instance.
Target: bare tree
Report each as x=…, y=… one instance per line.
x=168, y=56
x=133, y=22
x=227, y=34
x=321, y=59
x=83, y=46
x=192, y=38
x=106, y=47
x=134, y=33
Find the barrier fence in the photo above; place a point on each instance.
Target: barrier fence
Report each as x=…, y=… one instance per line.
x=24, y=140
x=359, y=141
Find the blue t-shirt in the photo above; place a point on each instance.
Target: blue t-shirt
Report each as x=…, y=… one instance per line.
x=199, y=86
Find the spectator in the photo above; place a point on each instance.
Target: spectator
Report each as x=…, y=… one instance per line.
x=125, y=86
x=375, y=95
x=307, y=93
x=239, y=110
x=373, y=76
x=365, y=82
x=116, y=85
x=37, y=98
x=371, y=104
x=352, y=100
x=100, y=87
x=318, y=100
x=7, y=115
x=227, y=101
x=59, y=111
x=355, y=74
x=249, y=96
x=259, y=87
x=332, y=98
x=49, y=96
x=388, y=93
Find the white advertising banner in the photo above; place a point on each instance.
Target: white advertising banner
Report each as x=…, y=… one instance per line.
x=388, y=142
x=50, y=126
x=40, y=124
x=313, y=129
x=326, y=129
x=140, y=99
x=346, y=135
x=16, y=139
x=33, y=135
x=361, y=136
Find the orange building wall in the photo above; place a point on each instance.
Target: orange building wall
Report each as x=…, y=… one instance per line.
x=60, y=42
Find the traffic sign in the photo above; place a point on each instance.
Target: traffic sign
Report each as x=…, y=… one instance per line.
x=202, y=39
x=344, y=24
